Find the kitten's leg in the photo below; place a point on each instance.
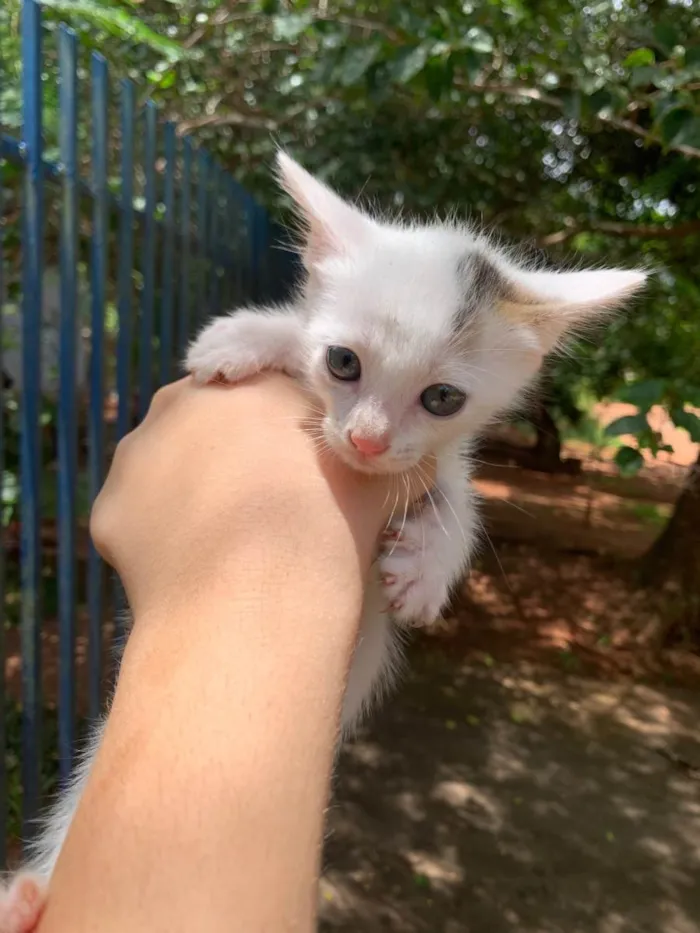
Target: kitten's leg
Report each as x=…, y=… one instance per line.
x=247, y=342
x=22, y=903
x=376, y=660
x=425, y=558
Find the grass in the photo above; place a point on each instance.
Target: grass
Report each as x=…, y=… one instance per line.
x=648, y=513
x=590, y=431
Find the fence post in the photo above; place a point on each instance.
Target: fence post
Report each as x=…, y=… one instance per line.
x=185, y=246
x=125, y=287
x=213, y=301
x=168, y=267
x=126, y=258
x=100, y=228
x=67, y=424
x=149, y=261
x=33, y=268
x=3, y=562
x=202, y=231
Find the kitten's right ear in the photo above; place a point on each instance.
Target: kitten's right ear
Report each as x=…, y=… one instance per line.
x=333, y=227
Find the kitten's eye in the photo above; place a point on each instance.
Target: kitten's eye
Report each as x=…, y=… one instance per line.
x=443, y=399
x=343, y=364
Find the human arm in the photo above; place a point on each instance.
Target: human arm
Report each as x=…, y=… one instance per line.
x=204, y=809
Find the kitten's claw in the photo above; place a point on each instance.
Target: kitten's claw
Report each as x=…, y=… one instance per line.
x=21, y=904
x=217, y=356
x=414, y=581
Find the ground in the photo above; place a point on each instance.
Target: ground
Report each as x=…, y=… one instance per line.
x=539, y=769
x=508, y=797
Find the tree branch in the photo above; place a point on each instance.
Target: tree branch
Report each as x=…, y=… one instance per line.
x=691, y=151
x=510, y=90
x=371, y=25
x=612, y=228
x=231, y=118
x=532, y=93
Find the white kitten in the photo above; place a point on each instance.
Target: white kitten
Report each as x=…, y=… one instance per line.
x=411, y=337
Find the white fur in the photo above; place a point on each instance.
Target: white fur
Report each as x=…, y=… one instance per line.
x=409, y=301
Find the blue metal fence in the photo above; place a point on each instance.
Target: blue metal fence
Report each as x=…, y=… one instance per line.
x=216, y=250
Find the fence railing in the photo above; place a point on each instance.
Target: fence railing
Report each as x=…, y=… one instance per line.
x=82, y=348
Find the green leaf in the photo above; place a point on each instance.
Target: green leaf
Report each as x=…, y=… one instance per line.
x=666, y=37
x=638, y=58
x=611, y=98
x=478, y=39
x=689, y=133
x=355, y=63
x=672, y=123
x=438, y=77
x=643, y=394
x=647, y=74
x=687, y=420
x=409, y=62
x=629, y=461
x=119, y=23
x=288, y=27
x=599, y=100
x=571, y=101
x=692, y=57
x=472, y=63
x=628, y=424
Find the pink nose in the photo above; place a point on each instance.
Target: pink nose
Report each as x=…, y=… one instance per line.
x=369, y=446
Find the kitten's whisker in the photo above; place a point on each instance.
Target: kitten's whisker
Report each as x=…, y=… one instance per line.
x=452, y=509
x=388, y=492
x=391, y=517
x=405, y=513
x=432, y=502
x=498, y=560
x=514, y=505
x=505, y=466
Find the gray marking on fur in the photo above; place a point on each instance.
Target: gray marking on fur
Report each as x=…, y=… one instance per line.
x=483, y=284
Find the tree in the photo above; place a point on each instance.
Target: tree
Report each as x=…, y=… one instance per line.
x=575, y=128
x=674, y=559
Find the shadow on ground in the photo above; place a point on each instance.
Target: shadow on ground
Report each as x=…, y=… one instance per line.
x=488, y=797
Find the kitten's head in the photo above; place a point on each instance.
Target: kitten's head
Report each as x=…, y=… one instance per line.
x=419, y=335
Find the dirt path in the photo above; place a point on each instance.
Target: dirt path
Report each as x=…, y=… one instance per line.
x=539, y=770
x=494, y=797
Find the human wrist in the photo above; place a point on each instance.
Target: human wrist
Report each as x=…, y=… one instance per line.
x=268, y=611
x=279, y=527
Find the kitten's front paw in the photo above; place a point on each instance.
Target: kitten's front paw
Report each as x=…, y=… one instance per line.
x=21, y=904
x=415, y=585
x=222, y=352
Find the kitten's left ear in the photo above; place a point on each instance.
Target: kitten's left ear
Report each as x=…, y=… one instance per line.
x=333, y=226
x=554, y=303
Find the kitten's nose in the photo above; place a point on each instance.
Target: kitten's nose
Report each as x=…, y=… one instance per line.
x=369, y=446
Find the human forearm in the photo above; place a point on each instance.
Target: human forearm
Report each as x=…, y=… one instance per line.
x=217, y=753
x=244, y=556
x=204, y=807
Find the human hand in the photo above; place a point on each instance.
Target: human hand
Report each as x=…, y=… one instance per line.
x=212, y=467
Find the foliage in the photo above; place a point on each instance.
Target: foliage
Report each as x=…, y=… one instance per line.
x=572, y=126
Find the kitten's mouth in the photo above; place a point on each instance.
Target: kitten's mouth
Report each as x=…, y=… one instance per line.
x=375, y=465
x=378, y=464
